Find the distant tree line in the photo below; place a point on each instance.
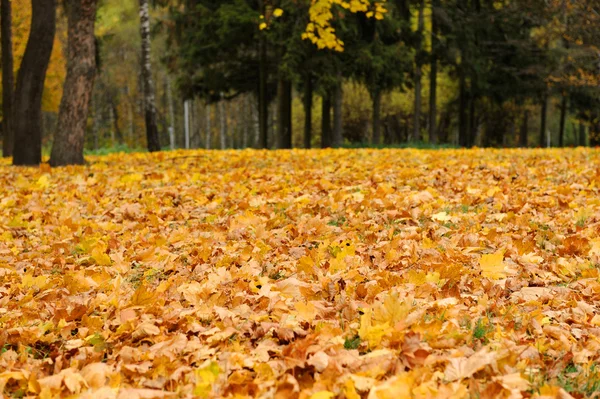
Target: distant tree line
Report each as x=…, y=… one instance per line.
x=510, y=62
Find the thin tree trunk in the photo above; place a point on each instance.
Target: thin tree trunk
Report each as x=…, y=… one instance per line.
x=284, y=114
x=463, y=140
x=247, y=121
x=115, y=120
x=433, y=135
x=523, y=139
x=263, y=106
x=594, y=134
x=563, y=121
x=96, y=121
x=8, y=79
x=338, y=122
x=543, y=120
x=582, y=138
x=376, y=118
x=171, y=114
x=27, y=121
x=308, y=101
x=326, y=121
x=131, y=132
x=186, y=118
x=192, y=113
x=208, y=126
x=111, y=124
x=418, y=75
x=152, y=137
x=222, y=125
x=472, y=132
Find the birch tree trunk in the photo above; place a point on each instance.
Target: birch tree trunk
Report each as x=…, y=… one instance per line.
x=186, y=118
x=171, y=114
x=152, y=137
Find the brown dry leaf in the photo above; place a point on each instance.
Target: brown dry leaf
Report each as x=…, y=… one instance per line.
x=290, y=274
x=465, y=367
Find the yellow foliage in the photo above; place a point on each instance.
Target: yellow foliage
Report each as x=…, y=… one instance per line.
x=56, y=73
x=319, y=29
x=326, y=273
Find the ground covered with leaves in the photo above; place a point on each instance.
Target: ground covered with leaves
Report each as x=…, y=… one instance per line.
x=297, y=274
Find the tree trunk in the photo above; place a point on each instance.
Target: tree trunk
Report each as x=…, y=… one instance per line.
x=523, y=139
x=563, y=121
x=433, y=135
x=222, y=125
x=463, y=140
x=152, y=137
x=186, y=118
x=263, y=106
x=418, y=74
x=338, y=123
x=376, y=118
x=247, y=121
x=8, y=80
x=27, y=121
x=472, y=131
x=308, y=101
x=326, y=121
x=582, y=138
x=208, y=126
x=543, y=121
x=594, y=135
x=96, y=121
x=284, y=113
x=115, y=120
x=171, y=114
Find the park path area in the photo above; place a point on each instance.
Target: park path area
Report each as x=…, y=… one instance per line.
x=302, y=274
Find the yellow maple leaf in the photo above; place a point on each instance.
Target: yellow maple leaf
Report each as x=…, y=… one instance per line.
x=322, y=395
x=99, y=254
x=306, y=311
x=492, y=265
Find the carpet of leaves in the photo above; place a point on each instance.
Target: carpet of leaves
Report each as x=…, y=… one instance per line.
x=295, y=274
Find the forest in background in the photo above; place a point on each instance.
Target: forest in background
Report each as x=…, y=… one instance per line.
x=506, y=74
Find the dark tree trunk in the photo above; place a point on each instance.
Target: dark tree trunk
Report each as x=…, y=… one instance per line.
x=8, y=80
x=582, y=140
x=523, y=136
x=418, y=74
x=594, y=135
x=543, y=121
x=308, y=102
x=563, y=121
x=27, y=121
x=69, y=138
x=326, y=121
x=115, y=114
x=472, y=131
x=433, y=134
x=284, y=113
x=463, y=140
x=376, y=118
x=338, y=125
x=263, y=106
x=152, y=137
